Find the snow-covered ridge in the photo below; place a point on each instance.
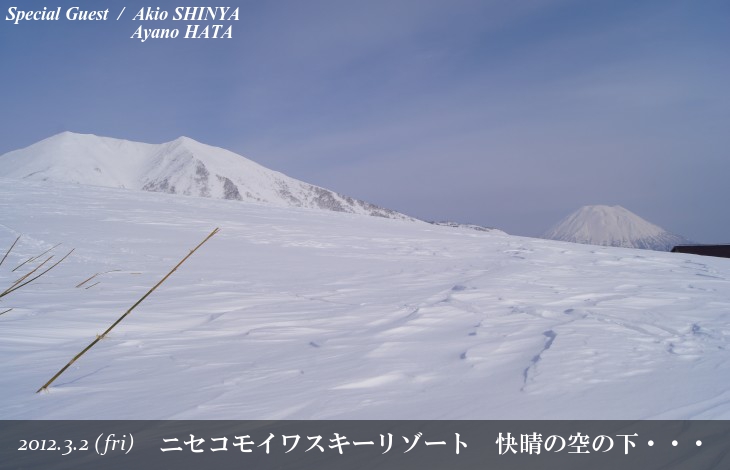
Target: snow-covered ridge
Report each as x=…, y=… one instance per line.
x=612, y=226
x=182, y=166
x=478, y=228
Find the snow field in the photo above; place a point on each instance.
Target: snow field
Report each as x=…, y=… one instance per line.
x=304, y=314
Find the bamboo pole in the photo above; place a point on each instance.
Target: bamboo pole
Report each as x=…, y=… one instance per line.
x=9, y=250
x=100, y=337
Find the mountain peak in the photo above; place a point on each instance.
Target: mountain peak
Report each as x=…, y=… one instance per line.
x=185, y=140
x=612, y=226
x=66, y=134
x=73, y=135
x=181, y=166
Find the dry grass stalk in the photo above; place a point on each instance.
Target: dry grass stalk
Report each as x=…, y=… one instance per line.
x=33, y=258
x=26, y=276
x=103, y=335
x=87, y=280
x=87, y=288
x=97, y=274
x=16, y=287
x=9, y=250
x=6, y=311
x=29, y=260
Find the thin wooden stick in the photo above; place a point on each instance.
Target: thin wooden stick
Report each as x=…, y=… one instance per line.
x=8, y=252
x=12, y=289
x=100, y=337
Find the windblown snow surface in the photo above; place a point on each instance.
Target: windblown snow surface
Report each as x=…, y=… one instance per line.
x=306, y=314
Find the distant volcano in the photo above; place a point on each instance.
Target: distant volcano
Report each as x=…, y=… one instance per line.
x=612, y=226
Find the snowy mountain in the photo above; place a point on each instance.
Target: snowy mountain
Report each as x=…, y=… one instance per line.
x=183, y=166
x=291, y=313
x=612, y=226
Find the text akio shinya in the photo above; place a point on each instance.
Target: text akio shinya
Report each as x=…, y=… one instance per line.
x=188, y=14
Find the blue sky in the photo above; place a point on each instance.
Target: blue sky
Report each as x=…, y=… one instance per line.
x=502, y=113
